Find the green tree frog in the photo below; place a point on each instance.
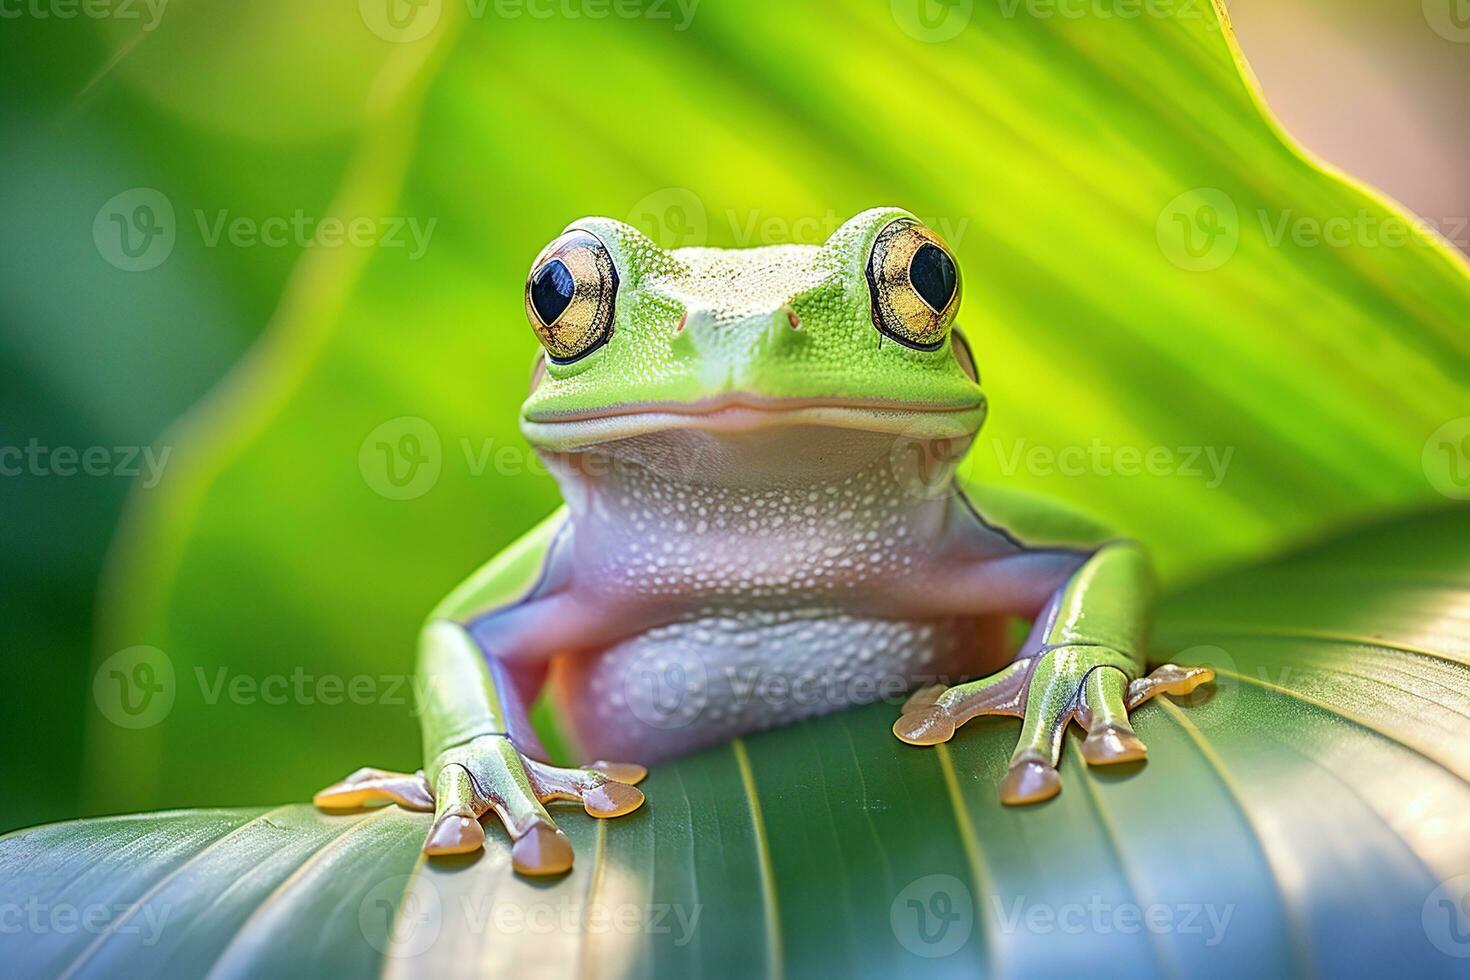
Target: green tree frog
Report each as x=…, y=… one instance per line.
x=757, y=450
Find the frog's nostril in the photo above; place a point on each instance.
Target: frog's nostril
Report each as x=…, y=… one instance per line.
x=683, y=320
x=793, y=319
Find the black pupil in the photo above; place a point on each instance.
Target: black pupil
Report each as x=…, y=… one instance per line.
x=551, y=290
x=932, y=273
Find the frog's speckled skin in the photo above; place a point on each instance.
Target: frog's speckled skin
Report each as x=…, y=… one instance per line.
x=761, y=524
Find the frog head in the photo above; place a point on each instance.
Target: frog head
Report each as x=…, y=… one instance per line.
x=855, y=334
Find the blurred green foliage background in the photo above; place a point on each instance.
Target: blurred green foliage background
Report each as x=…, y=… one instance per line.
x=1054, y=152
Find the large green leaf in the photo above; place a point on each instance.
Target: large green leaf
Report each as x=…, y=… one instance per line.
x=1309, y=816
x=1059, y=153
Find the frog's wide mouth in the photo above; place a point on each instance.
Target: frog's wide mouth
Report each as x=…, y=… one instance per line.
x=739, y=413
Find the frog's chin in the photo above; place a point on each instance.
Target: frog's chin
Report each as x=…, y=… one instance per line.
x=749, y=416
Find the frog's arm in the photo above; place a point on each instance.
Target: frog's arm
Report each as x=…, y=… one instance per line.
x=458, y=687
x=1084, y=658
x=473, y=736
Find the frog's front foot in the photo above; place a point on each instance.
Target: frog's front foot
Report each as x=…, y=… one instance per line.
x=1088, y=683
x=485, y=774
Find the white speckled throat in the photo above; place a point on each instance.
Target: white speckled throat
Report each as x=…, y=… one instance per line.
x=778, y=504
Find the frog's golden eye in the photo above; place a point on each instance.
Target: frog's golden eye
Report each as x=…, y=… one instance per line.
x=570, y=295
x=914, y=285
